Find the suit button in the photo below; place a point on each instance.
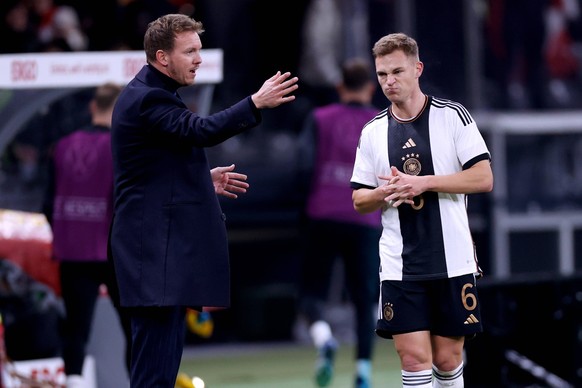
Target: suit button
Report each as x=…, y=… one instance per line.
x=223, y=216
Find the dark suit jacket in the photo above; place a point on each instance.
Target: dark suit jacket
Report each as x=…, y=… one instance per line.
x=168, y=237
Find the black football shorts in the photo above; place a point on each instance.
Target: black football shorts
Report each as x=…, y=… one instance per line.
x=445, y=307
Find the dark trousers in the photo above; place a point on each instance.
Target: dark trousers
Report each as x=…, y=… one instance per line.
x=357, y=247
x=158, y=342
x=80, y=283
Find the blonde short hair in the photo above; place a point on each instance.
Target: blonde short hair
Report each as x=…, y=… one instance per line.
x=393, y=42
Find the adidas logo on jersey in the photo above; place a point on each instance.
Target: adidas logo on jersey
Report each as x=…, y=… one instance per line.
x=471, y=319
x=409, y=144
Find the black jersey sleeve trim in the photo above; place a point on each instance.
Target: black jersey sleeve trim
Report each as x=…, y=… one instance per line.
x=357, y=186
x=476, y=159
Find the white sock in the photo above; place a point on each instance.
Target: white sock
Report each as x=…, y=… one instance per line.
x=320, y=333
x=420, y=379
x=363, y=367
x=452, y=378
x=75, y=381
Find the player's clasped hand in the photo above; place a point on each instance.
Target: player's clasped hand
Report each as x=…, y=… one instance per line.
x=275, y=91
x=395, y=194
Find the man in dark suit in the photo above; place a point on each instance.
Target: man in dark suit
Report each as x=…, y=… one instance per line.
x=168, y=238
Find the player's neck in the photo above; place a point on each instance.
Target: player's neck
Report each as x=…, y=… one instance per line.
x=409, y=109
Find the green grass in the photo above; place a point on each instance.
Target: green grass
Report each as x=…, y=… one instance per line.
x=283, y=365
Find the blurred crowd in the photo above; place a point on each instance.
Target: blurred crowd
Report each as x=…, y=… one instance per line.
x=79, y=25
x=532, y=49
x=533, y=53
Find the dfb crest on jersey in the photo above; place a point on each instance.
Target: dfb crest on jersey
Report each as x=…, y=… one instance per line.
x=411, y=164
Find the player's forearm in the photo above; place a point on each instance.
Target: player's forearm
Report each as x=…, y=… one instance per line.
x=477, y=179
x=368, y=200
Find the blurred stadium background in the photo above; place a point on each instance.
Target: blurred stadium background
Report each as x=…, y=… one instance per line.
x=516, y=64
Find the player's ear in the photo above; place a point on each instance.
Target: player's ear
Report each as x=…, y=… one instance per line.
x=419, y=68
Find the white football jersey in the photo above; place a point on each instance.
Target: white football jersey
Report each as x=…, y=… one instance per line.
x=431, y=239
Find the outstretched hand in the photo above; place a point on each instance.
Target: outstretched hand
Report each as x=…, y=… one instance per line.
x=228, y=183
x=275, y=91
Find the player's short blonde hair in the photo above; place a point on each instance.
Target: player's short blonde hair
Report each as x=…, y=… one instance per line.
x=393, y=42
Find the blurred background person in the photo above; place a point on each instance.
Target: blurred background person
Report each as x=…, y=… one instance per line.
x=79, y=205
x=58, y=26
x=333, y=228
x=18, y=33
x=332, y=31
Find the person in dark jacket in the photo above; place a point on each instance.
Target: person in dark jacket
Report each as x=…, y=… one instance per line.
x=168, y=238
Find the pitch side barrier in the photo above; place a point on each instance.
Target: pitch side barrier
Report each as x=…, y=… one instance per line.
x=531, y=295
x=84, y=69
x=31, y=81
x=536, y=214
x=531, y=333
